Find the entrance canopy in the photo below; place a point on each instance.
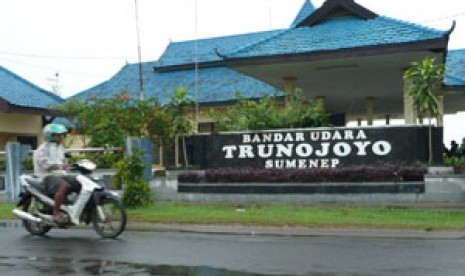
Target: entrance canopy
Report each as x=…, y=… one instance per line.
x=345, y=82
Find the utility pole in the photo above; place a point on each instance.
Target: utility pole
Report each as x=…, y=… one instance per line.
x=141, y=85
x=196, y=72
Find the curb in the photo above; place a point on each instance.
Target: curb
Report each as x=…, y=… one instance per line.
x=284, y=231
x=298, y=231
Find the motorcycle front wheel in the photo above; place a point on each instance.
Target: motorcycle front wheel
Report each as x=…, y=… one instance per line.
x=109, y=218
x=38, y=229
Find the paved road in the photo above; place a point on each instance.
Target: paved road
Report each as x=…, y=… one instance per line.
x=76, y=252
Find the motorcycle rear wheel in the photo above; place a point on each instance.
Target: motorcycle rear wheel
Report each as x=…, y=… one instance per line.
x=34, y=228
x=113, y=221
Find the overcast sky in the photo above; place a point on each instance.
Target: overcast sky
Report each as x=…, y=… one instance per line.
x=86, y=42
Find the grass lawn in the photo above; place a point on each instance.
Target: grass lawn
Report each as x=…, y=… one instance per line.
x=5, y=211
x=291, y=215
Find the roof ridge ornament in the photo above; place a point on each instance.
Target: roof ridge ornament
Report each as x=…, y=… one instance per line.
x=332, y=8
x=217, y=52
x=307, y=9
x=452, y=27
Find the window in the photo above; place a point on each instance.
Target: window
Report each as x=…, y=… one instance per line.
x=206, y=127
x=28, y=140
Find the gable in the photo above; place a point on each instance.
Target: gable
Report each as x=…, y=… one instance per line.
x=337, y=9
x=304, y=12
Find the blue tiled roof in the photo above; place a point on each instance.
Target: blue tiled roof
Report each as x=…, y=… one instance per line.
x=178, y=53
x=215, y=84
x=339, y=33
x=455, y=67
x=20, y=92
x=305, y=11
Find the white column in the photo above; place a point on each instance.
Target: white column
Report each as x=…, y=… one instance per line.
x=369, y=103
x=410, y=114
x=388, y=119
x=289, y=87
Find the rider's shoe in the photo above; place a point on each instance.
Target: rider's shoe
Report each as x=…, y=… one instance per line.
x=60, y=219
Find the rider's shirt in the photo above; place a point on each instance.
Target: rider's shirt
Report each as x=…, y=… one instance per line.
x=48, y=158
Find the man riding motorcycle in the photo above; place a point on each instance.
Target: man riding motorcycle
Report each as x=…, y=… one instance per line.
x=50, y=164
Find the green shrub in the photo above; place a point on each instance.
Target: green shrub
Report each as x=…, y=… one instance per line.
x=136, y=191
x=2, y=164
x=136, y=194
x=454, y=161
x=27, y=163
x=458, y=163
x=160, y=173
x=116, y=182
x=102, y=160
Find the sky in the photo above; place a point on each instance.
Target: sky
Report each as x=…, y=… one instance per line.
x=68, y=46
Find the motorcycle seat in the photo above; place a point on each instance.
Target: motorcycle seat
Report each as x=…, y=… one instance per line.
x=34, y=181
x=37, y=184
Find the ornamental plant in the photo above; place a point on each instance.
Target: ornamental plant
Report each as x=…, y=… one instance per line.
x=181, y=126
x=2, y=163
x=137, y=192
x=269, y=113
x=108, y=121
x=355, y=173
x=424, y=81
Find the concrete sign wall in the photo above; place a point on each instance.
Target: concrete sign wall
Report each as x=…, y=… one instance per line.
x=314, y=148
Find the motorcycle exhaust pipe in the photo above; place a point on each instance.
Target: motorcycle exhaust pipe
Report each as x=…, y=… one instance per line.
x=23, y=215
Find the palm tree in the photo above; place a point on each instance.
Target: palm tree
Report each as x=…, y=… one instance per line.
x=424, y=79
x=181, y=126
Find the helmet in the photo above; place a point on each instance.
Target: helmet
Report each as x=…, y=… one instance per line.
x=51, y=129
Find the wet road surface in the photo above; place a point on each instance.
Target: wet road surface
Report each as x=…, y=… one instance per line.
x=81, y=252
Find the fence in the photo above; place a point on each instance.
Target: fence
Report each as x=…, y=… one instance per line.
x=15, y=153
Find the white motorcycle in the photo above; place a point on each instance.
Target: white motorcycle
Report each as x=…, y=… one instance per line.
x=93, y=204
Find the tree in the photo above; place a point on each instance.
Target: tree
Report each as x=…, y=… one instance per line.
x=158, y=128
x=424, y=80
x=180, y=124
x=71, y=109
x=301, y=113
x=269, y=113
x=247, y=114
x=108, y=121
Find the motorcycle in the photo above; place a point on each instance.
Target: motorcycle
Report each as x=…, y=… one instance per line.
x=93, y=204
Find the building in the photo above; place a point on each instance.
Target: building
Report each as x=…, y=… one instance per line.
x=24, y=109
x=342, y=53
